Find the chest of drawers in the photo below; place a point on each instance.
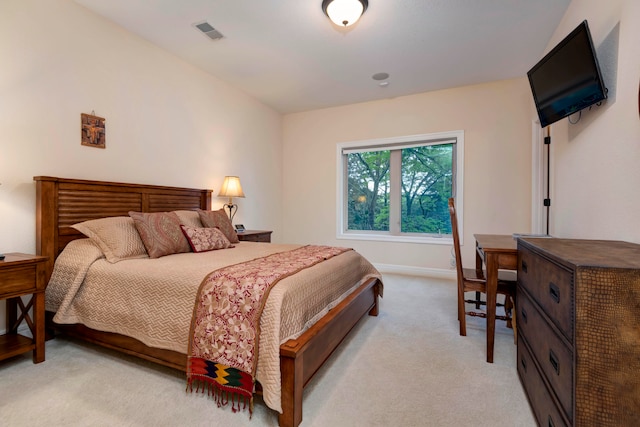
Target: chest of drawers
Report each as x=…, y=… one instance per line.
x=578, y=307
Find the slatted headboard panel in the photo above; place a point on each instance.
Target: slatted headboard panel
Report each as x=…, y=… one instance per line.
x=62, y=202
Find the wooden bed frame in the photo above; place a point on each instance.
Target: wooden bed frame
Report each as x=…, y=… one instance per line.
x=63, y=202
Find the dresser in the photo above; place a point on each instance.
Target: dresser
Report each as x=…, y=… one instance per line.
x=578, y=311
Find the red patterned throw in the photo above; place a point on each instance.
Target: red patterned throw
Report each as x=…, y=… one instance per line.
x=225, y=328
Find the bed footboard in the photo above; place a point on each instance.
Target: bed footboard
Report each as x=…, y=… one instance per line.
x=301, y=358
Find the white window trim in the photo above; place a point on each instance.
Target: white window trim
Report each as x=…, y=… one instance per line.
x=369, y=145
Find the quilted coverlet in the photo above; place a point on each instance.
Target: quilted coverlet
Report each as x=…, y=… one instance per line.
x=152, y=300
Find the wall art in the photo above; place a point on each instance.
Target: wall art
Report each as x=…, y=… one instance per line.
x=93, y=130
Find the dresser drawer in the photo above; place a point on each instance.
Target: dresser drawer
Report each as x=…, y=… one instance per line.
x=554, y=357
x=540, y=399
x=551, y=285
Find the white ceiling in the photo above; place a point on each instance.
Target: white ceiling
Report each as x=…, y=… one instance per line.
x=288, y=54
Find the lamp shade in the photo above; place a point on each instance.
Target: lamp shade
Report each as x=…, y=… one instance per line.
x=231, y=187
x=344, y=12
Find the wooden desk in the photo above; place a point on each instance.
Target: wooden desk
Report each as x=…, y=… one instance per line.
x=498, y=251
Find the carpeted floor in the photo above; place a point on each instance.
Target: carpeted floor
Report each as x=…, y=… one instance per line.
x=407, y=367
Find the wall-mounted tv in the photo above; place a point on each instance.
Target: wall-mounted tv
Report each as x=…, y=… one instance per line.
x=568, y=78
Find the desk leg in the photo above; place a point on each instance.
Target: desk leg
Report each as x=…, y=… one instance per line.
x=492, y=290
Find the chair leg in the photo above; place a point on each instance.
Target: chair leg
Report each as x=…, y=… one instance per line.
x=478, y=295
x=462, y=313
x=508, y=310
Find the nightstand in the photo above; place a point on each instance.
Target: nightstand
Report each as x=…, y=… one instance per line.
x=255, y=236
x=22, y=274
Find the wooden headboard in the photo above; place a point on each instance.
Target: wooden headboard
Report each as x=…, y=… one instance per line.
x=62, y=202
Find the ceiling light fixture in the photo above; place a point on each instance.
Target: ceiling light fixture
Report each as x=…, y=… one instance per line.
x=344, y=12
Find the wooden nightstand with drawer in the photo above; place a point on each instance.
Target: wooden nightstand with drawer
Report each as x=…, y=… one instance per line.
x=255, y=236
x=20, y=275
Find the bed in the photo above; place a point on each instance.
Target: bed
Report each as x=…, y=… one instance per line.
x=63, y=202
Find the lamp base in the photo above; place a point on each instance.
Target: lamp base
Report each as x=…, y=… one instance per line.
x=232, y=210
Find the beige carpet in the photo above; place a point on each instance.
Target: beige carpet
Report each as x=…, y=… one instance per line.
x=407, y=367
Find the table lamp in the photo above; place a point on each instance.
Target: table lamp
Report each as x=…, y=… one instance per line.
x=231, y=188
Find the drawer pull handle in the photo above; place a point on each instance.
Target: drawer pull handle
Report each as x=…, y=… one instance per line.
x=523, y=362
x=553, y=359
x=523, y=314
x=554, y=291
x=551, y=424
x=524, y=266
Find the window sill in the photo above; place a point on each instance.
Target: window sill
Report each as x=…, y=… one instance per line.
x=431, y=240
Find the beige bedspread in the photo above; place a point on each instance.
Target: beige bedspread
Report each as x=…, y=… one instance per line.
x=152, y=299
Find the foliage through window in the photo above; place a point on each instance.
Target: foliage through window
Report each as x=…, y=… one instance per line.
x=399, y=187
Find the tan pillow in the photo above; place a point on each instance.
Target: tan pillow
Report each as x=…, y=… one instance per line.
x=160, y=232
x=116, y=236
x=219, y=219
x=205, y=239
x=189, y=218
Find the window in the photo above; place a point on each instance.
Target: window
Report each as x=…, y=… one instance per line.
x=397, y=189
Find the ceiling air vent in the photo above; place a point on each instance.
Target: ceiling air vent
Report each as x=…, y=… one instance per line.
x=208, y=30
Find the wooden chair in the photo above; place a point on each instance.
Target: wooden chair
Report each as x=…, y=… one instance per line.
x=470, y=279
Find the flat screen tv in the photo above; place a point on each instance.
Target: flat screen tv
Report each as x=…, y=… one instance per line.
x=568, y=78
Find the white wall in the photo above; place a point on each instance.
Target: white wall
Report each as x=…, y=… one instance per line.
x=496, y=119
x=167, y=122
x=596, y=162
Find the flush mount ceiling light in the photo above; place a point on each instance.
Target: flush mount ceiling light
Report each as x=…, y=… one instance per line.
x=344, y=12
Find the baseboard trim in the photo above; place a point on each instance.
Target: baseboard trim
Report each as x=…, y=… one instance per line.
x=438, y=273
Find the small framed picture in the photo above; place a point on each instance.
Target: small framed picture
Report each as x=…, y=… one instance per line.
x=92, y=129
x=239, y=228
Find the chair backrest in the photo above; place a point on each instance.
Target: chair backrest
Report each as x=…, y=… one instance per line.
x=456, y=238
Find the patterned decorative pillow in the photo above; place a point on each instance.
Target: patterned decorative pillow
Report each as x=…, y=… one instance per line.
x=219, y=219
x=189, y=218
x=160, y=232
x=116, y=236
x=206, y=239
